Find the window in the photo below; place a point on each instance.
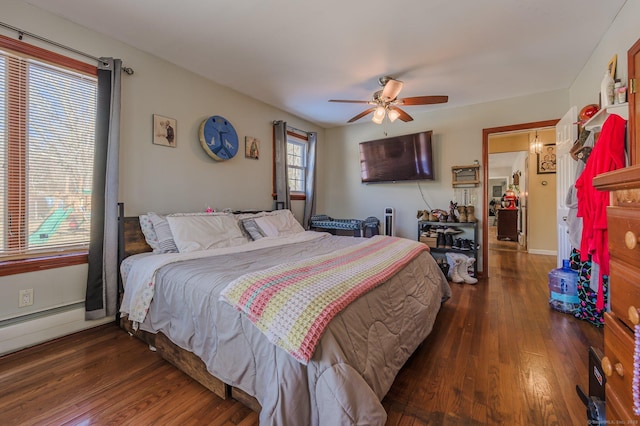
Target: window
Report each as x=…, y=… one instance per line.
x=296, y=162
x=47, y=125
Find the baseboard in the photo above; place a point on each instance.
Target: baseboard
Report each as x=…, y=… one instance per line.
x=545, y=252
x=29, y=333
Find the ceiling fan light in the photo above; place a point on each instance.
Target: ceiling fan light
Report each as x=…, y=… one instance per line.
x=378, y=115
x=393, y=115
x=376, y=119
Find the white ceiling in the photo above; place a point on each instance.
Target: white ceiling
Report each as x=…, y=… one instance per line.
x=296, y=55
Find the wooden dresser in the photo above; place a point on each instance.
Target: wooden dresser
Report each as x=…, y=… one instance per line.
x=623, y=218
x=507, y=224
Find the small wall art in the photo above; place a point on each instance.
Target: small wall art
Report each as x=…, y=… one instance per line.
x=547, y=159
x=251, y=147
x=164, y=131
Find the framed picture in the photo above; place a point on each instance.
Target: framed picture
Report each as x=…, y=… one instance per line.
x=164, y=131
x=611, y=66
x=251, y=147
x=547, y=159
x=497, y=191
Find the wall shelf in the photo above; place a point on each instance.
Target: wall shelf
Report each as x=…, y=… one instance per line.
x=597, y=120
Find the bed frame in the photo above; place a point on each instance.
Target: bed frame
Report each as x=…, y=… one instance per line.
x=131, y=241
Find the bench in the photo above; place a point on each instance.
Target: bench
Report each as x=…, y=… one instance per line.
x=360, y=228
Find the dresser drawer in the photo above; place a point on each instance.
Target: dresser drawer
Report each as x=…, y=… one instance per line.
x=617, y=363
x=625, y=293
x=624, y=234
x=615, y=410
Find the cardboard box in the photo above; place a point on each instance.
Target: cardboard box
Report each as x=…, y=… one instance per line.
x=430, y=241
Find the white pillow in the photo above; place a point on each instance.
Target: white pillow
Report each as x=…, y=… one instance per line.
x=280, y=223
x=149, y=233
x=163, y=234
x=202, y=232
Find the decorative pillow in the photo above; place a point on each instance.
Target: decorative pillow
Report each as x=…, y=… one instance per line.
x=280, y=223
x=251, y=227
x=166, y=243
x=149, y=233
x=201, y=232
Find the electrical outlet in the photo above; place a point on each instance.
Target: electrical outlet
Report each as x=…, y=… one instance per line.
x=26, y=298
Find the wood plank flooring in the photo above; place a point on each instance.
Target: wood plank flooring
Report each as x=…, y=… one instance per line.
x=497, y=355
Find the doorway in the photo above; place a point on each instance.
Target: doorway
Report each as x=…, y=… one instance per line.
x=487, y=135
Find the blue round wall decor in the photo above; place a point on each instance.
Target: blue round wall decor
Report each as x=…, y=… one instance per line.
x=218, y=138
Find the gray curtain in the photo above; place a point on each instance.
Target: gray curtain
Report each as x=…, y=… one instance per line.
x=283, y=198
x=102, y=277
x=310, y=179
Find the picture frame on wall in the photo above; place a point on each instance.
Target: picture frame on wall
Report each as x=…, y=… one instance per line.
x=251, y=147
x=547, y=159
x=165, y=131
x=611, y=66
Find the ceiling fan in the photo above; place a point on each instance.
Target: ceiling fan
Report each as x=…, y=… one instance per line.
x=385, y=102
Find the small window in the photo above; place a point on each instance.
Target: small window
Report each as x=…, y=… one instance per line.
x=296, y=163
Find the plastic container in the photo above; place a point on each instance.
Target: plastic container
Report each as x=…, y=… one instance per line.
x=563, y=287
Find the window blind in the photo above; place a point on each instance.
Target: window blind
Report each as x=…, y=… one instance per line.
x=47, y=127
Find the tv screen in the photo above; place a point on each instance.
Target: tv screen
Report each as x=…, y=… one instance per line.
x=398, y=158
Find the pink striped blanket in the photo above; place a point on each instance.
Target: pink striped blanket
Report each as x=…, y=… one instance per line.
x=293, y=303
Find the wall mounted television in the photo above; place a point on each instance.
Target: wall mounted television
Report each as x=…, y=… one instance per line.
x=397, y=158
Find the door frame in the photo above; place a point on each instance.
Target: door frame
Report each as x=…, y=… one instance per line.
x=485, y=178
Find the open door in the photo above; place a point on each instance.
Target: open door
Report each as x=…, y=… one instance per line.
x=566, y=134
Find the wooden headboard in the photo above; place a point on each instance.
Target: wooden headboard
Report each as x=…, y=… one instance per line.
x=130, y=237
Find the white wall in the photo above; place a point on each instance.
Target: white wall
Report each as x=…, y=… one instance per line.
x=457, y=140
x=624, y=32
x=152, y=177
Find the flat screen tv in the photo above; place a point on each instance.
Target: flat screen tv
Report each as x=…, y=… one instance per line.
x=398, y=158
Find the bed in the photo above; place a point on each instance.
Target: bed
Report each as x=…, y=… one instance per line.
x=340, y=374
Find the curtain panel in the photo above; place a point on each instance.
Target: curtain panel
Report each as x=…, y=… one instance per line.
x=310, y=179
x=283, y=197
x=102, y=277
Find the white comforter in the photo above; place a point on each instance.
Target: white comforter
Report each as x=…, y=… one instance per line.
x=355, y=362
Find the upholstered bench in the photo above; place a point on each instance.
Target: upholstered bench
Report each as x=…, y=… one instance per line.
x=359, y=227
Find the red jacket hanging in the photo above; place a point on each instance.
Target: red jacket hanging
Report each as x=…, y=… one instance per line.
x=607, y=155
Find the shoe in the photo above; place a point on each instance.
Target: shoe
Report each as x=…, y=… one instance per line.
x=454, y=266
x=448, y=240
x=471, y=214
x=440, y=243
x=463, y=271
x=466, y=245
x=457, y=244
x=452, y=230
x=463, y=263
x=462, y=214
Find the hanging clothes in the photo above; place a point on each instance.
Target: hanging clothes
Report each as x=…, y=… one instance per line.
x=574, y=223
x=607, y=155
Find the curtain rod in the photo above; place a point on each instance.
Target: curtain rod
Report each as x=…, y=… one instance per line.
x=22, y=33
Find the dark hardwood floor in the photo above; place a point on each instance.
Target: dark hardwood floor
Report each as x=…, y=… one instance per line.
x=497, y=355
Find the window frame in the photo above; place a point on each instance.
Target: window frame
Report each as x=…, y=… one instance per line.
x=59, y=259
x=294, y=195
x=297, y=139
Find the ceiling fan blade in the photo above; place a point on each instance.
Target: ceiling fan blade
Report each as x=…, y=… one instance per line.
x=391, y=90
x=424, y=100
x=403, y=115
x=362, y=114
x=350, y=102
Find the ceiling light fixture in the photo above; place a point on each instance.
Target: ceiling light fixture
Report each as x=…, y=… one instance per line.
x=378, y=114
x=393, y=115
x=536, y=145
